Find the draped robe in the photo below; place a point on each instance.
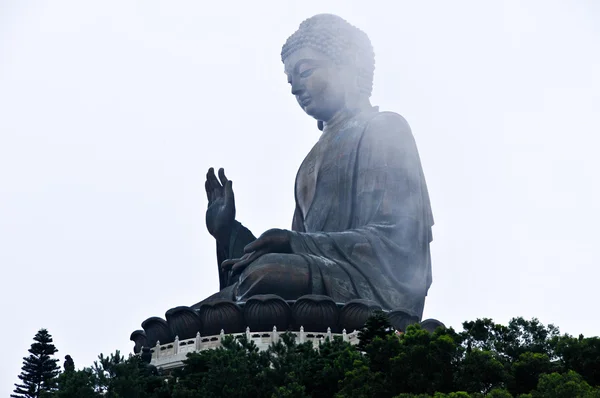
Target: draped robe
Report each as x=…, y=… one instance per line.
x=362, y=224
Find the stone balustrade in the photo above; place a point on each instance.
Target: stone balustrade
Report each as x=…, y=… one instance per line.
x=171, y=355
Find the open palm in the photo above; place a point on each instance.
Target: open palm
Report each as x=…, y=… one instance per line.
x=220, y=215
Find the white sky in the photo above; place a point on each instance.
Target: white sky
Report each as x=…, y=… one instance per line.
x=111, y=112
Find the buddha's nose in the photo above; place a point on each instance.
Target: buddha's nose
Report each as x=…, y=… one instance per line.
x=297, y=89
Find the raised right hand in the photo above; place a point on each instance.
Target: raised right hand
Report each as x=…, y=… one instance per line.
x=220, y=215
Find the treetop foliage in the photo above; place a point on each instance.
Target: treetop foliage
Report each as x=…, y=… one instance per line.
x=39, y=371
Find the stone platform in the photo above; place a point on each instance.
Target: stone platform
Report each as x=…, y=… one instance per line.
x=314, y=313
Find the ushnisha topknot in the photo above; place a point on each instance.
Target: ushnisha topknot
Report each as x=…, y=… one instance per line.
x=344, y=43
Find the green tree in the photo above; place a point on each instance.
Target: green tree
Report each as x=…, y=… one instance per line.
x=528, y=336
x=427, y=361
x=76, y=383
x=318, y=371
x=581, y=355
x=371, y=373
x=524, y=359
x=292, y=363
x=483, y=334
x=40, y=369
x=377, y=325
x=237, y=369
x=361, y=382
x=416, y=362
x=519, y=336
x=458, y=394
x=567, y=385
x=104, y=370
x=481, y=371
x=291, y=390
x=336, y=358
x=527, y=370
x=499, y=393
x=116, y=377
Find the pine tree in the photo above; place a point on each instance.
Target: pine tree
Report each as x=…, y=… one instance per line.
x=40, y=369
x=377, y=325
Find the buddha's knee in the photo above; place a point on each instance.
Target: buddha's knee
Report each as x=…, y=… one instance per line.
x=282, y=274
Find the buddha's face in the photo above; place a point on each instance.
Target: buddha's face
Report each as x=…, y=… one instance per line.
x=320, y=87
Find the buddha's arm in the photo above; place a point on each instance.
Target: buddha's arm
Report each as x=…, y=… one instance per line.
x=240, y=236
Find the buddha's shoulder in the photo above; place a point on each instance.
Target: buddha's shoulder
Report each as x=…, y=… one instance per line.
x=387, y=121
x=389, y=117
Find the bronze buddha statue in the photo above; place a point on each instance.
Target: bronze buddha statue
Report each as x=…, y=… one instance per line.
x=362, y=226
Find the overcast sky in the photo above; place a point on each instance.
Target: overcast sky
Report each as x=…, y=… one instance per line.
x=111, y=112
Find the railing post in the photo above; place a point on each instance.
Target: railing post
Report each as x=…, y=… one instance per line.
x=274, y=335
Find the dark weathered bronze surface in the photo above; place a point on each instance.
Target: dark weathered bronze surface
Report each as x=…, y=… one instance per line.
x=361, y=228
x=184, y=322
x=431, y=324
x=355, y=313
x=157, y=329
x=362, y=225
x=400, y=319
x=220, y=315
x=316, y=313
x=262, y=312
x=139, y=338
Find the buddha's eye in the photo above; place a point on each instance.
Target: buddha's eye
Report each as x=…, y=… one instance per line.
x=307, y=72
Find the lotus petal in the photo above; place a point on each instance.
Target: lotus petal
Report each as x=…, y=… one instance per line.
x=220, y=314
x=184, y=322
x=139, y=338
x=355, y=313
x=262, y=312
x=157, y=329
x=315, y=313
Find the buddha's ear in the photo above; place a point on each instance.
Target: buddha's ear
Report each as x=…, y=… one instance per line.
x=320, y=125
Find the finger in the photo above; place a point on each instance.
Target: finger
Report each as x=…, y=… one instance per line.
x=227, y=264
x=212, y=178
x=222, y=176
x=229, y=191
x=240, y=265
x=254, y=246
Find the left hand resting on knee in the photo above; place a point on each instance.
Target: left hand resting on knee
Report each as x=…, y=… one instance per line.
x=272, y=241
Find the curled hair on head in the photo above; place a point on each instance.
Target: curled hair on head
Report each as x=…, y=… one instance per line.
x=344, y=43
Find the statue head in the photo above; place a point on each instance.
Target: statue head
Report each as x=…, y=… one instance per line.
x=329, y=63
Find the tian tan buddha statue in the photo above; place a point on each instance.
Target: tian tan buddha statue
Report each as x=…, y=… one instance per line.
x=362, y=226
